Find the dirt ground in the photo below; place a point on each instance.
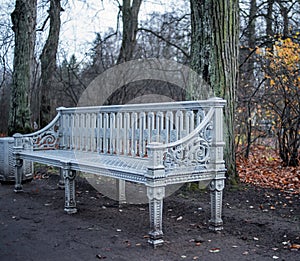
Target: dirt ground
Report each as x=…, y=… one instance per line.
x=259, y=224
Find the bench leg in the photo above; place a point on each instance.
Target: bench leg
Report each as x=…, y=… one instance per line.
x=61, y=182
x=155, y=196
x=18, y=175
x=121, y=194
x=216, y=195
x=70, y=202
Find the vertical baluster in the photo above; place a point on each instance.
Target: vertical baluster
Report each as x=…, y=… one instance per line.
x=133, y=134
x=93, y=132
x=72, y=139
x=68, y=130
x=142, y=141
x=112, y=133
x=200, y=115
x=77, y=122
x=105, y=133
x=82, y=131
x=186, y=123
x=169, y=125
x=151, y=126
x=100, y=132
x=126, y=133
x=88, y=132
x=192, y=121
x=160, y=126
x=179, y=124
x=119, y=136
x=79, y=131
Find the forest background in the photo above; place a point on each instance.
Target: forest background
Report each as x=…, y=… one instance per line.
x=265, y=96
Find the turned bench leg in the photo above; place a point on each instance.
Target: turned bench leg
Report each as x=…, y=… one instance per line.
x=18, y=175
x=216, y=195
x=155, y=196
x=70, y=202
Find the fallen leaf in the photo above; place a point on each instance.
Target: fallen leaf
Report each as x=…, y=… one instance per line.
x=295, y=246
x=100, y=257
x=214, y=250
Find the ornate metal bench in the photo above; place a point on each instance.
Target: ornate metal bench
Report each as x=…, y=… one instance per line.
x=154, y=144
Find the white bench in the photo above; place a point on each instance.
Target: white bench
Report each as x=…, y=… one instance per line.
x=154, y=144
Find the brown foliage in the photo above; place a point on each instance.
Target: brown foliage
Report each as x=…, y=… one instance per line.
x=264, y=168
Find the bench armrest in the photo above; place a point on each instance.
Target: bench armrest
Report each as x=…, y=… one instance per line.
x=45, y=138
x=194, y=150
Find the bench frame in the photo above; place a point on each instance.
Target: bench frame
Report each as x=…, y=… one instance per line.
x=48, y=146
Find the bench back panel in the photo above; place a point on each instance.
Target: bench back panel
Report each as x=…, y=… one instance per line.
x=126, y=130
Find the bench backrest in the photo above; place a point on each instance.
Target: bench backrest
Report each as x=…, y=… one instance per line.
x=128, y=129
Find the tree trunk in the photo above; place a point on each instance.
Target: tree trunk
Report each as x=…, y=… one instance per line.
x=48, y=62
x=24, y=25
x=130, y=27
x=269, y=22
x=249, y=72
x=218, y=23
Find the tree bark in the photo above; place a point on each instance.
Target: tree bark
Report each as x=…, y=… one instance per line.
x=130, y=26
x=48, y=62
x=24, y=25
x=218, y=23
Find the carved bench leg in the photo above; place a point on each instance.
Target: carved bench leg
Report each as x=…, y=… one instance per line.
x=121, y=194
x=155, y=196
x=70, y=202
x=18, y=175
x=216, y=195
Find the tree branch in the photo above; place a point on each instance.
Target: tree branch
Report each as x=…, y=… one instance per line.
x=165, y=40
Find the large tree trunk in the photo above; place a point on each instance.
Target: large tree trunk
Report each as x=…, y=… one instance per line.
x=24, y=25
x=130, y=25
x=48, y=62
x=130, y=13
x=215, y=28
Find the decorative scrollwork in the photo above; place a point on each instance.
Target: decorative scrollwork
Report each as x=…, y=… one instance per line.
x=47, y=138
x=195, y=152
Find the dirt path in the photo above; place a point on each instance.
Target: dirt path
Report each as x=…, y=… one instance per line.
x=260, y=224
